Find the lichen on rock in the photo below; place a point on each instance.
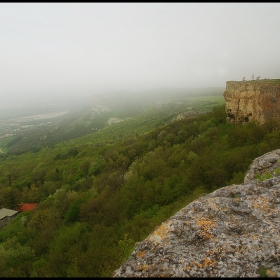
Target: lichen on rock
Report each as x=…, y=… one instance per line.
x=232, y=232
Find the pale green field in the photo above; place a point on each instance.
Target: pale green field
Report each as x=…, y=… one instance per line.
x=212, y=98
x=270, y=81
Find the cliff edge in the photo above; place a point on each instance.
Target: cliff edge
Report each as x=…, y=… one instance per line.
x=232, y=232
x=252, y=101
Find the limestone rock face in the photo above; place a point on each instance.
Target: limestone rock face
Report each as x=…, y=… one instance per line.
x=232, y=232
x=248, y=101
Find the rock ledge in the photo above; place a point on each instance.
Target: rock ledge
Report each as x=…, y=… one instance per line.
x=232, y=232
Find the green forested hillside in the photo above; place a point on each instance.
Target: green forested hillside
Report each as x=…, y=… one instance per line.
x=42, y=130
x=101, y=193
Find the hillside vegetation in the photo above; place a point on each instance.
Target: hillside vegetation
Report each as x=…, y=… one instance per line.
x=32, y=132
x=101, y=193
x=270, y=81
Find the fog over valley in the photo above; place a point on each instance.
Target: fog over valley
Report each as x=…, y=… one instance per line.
x=116, y=116
x=55, y=52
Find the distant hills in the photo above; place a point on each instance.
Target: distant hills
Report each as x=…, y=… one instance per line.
x=36, y=125
x=100, y=193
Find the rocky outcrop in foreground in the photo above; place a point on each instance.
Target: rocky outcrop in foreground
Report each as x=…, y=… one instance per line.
x=232, y=232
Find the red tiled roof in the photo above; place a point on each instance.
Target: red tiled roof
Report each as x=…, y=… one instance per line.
x=26, y=207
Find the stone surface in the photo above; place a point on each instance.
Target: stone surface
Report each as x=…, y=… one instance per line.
x=248, y=101
x=232, y=232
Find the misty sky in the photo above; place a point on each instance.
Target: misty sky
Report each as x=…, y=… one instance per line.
x=86, y=48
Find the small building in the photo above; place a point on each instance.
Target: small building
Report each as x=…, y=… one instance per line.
x=23, y=207
x=6, y=215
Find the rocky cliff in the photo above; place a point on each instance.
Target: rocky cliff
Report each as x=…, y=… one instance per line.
x=254, y=100
x=232, y=232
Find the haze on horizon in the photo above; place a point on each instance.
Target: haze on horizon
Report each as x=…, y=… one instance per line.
x=76, y=49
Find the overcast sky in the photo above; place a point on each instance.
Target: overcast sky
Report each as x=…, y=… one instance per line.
x=88, y=48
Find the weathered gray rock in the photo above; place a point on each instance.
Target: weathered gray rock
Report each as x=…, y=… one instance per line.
x=232, y=232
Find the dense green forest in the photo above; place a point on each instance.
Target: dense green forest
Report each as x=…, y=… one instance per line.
x=99, y=194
